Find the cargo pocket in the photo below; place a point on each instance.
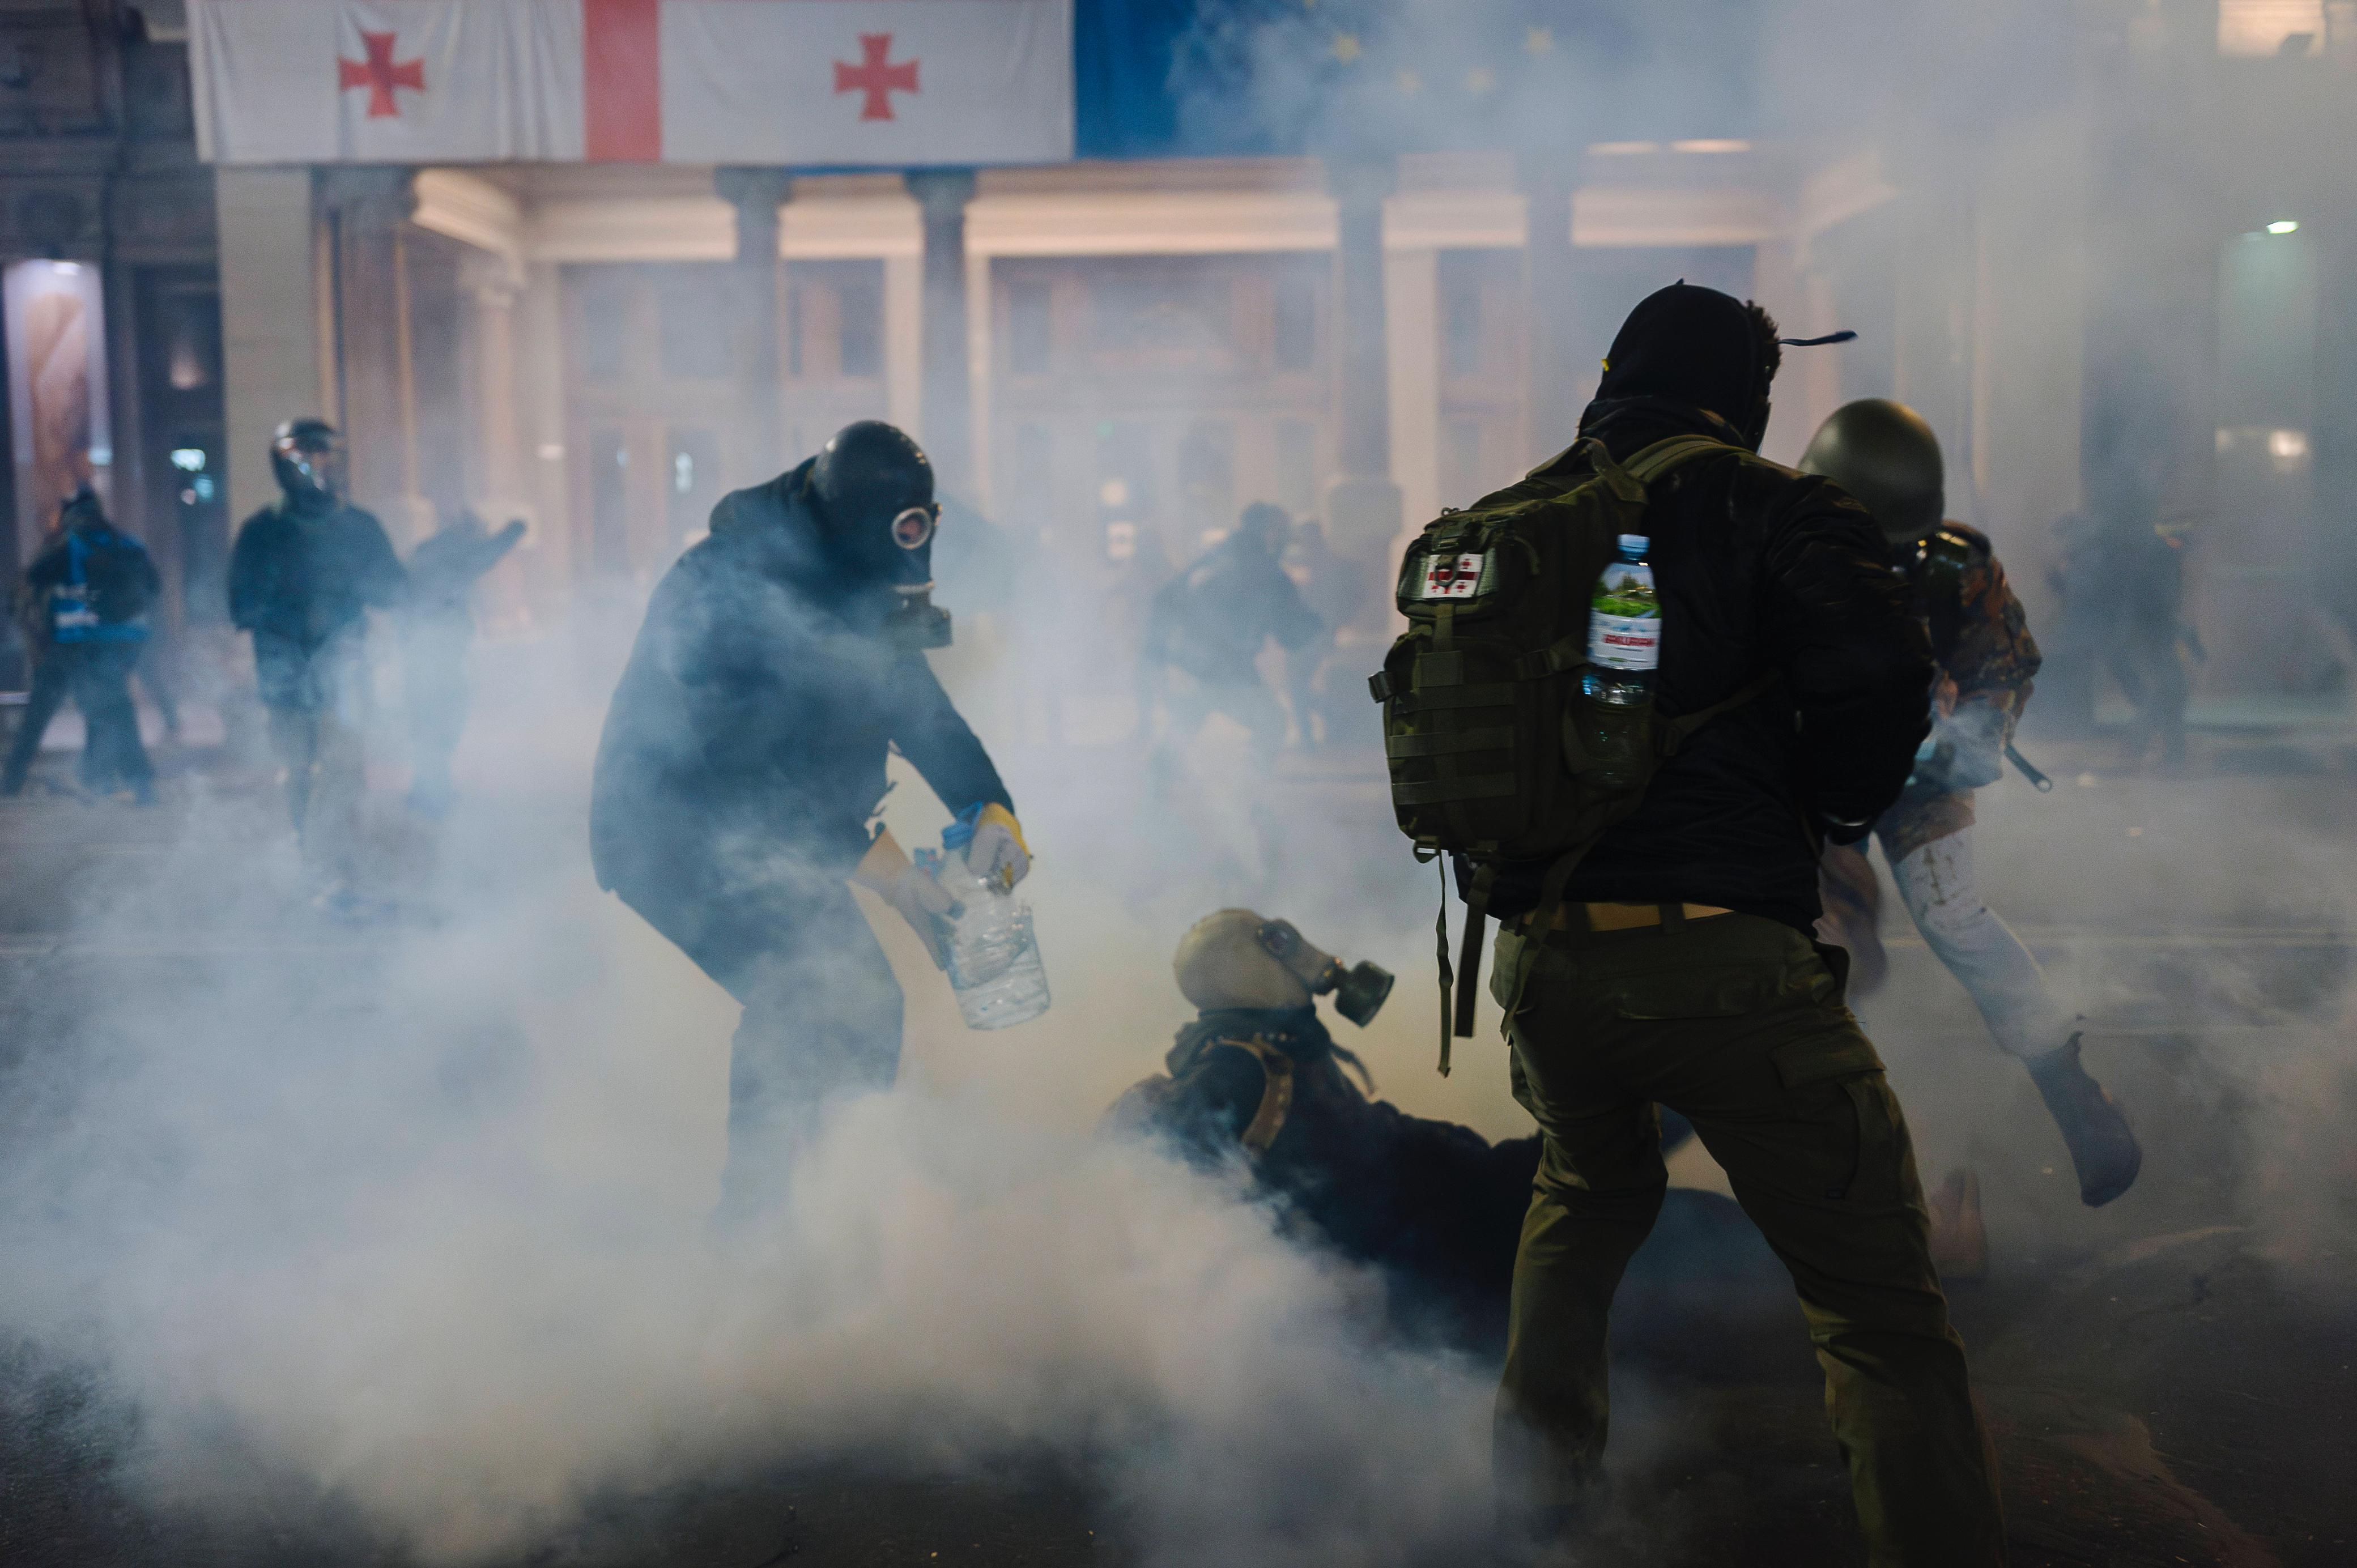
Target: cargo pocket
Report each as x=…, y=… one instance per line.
x=1726, y=993
x=1850, y=1070
x=1607, y=749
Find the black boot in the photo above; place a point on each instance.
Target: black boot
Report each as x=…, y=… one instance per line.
x=2102, y=1149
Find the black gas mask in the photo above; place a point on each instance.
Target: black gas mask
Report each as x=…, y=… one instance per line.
x=1359, y=992
x=874, y=489
x=307, y=457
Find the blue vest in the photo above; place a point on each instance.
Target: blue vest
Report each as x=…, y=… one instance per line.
x=73, y=611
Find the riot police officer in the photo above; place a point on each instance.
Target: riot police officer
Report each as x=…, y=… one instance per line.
x=742, y=763
x=1883, y=454
x=303, y=575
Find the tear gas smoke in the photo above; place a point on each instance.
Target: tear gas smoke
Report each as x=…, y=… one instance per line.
x=419, y=1224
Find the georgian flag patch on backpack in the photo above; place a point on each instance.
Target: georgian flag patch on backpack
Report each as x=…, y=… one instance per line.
x=1453, y=576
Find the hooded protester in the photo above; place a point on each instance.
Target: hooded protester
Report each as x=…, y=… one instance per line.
x=86, y=598
x=1887, y=456
x=1678, y=968
x=742, y=764
x=303, y=575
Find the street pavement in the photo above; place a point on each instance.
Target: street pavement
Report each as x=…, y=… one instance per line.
x=2168, y=1379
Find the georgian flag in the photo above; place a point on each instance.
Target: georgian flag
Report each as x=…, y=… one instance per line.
x=890, y=82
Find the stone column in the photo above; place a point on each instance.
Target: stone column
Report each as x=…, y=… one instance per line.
x=1551, y=296
x=365, y=208
x=756, y=194
x=947, y=431
x=548, y=552
x=1412, y=308
x=270, y=321
x=498, y=491
x=1362, y=506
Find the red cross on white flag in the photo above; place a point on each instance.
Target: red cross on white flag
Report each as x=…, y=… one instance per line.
x=879, y=83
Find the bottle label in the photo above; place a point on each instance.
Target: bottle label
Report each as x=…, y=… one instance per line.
x=1624, y=624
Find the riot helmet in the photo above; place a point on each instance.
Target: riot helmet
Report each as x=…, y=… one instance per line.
x=1235, y=959
x=1883, y=454
x=307, y=457
x=873, y=489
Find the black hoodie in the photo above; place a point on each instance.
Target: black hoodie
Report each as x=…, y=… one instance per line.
x=758, y=708
x=1760, y=568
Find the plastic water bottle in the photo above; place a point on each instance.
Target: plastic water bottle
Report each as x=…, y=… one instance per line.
x=1624, y=629
x=994, y=967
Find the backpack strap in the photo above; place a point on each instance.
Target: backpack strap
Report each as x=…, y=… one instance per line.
x=1658, y=460
x=1275, y=1096
x=1671, y=733
x=1469, y=957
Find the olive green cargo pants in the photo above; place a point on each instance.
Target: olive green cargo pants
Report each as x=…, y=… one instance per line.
x=1737, y=1022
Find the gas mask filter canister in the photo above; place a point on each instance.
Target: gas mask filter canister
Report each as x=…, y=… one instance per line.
x=1359, y=991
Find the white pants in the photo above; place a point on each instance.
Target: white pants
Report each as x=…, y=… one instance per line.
x=1936, y=881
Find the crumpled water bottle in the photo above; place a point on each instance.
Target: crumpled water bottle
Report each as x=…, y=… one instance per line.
x=994, y=967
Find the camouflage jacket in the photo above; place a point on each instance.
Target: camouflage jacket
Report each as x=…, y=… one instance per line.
x=1981, y=639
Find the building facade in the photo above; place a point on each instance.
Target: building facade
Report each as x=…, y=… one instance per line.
x=1104, y=351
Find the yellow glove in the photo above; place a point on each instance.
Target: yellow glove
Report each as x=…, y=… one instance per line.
x=999, y=856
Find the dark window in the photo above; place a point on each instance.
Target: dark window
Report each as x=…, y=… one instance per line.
x=605, y=328
x=1207, y=473
x=609, y=507
x=694, y=482
x=1155, y=307
x=1126, y=486
x=1297, y=322
x=1030, y=345
x=193, y=329
x=1297, y=465
x=862, y=299
x=1028, y=486
x=695, y=328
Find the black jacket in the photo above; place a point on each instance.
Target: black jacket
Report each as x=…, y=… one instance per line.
x=754, y=716
x=1435, y=1206
x=116, y=574
x=1212, y=620
x=300, y=578
x=1760, y=568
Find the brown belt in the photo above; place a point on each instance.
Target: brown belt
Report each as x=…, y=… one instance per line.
x=1620, y=916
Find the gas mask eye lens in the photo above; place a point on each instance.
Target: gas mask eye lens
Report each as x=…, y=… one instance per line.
x=913, y=529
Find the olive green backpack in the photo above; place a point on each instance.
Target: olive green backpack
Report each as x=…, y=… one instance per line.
x=1494, y=754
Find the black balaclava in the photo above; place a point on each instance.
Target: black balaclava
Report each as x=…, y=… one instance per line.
x=1698, y=347
x=872, y=489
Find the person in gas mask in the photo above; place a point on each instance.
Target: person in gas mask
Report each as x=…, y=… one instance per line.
x=438, y=628
x=742, y=761
x=303, y=575
x=1433, y=1207
x=86, y=598
x=1883, y=454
